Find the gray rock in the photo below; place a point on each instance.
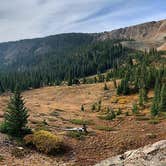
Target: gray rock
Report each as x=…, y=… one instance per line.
x=150, y=155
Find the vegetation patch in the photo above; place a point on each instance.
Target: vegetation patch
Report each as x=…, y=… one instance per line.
x=42, y=125
x=110, y=115
x=104, y=128
x=114, y=100
x=154, y=121
x=76, y=134
x=81, y=122
x=1, y=158
x=44, y=142
x=142, y=118
x=54, y=113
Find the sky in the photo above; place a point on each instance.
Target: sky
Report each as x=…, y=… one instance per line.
x=21, y=19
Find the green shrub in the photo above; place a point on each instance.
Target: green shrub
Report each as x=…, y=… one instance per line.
x=135, y=109
x=1, y=158
x=76, y=134
x=3, y=127
x=106, y=87
x=44, y=141
x=54, y=113
x=93, y=107
x=119, y=112
x=127, y=113
x=109, y=116
x=82, y=108
x=142, y=118
x=16, y=116
x=81, y=122
x=104, y=128
x=154, y=121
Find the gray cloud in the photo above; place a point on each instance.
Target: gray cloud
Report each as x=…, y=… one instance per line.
x=21, y=19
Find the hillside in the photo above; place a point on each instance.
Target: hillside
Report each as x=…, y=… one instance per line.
x=26, y=51
x=38, y=62
x=146, y=35
x=60, y=108
x=77, y=99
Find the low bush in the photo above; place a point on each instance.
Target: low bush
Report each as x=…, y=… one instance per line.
x=81, y=122
x=3, y=127
x=154, y=121
x=93, y=107
x=119, y=112
x=114, y=100
x=104, y=128
x=54, y=113
x=109, y=116
x=44, y=142
x=135, y=109
x=1, y=158
x=76, y=134
x=127, y=113
x=142, y=118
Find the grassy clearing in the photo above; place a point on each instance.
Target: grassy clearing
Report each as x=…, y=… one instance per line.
x=81, y=122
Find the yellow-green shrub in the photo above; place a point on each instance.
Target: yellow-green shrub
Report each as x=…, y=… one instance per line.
x=44, y=141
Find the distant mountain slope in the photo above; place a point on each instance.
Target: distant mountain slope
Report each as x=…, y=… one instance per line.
x=24, y=51
x=146, y=35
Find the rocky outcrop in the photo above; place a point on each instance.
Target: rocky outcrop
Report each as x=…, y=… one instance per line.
x=151, y=31
x=150, y=155
x=142, y=36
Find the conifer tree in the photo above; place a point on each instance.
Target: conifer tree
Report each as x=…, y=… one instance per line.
x=16, y=116
x=106, y=87
x=163, y=98
x=70, y=82
x=156, y=99
x=82, y=108
x=135, y=108
x=141, y=101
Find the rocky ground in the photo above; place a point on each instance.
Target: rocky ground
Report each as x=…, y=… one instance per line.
x=13, y=155
x=150, y=155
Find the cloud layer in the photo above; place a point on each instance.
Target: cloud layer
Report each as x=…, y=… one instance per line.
x=21, y=19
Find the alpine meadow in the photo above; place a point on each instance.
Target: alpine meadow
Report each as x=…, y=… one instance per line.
x=92, y=94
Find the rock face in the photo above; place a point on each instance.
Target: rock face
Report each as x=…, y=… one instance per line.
x=150, y=155
x=151, y=31
x=144, y=36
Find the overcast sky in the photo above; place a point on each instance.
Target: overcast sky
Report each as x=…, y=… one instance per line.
x=20, y=19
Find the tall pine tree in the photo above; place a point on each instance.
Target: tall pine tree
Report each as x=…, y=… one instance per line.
x=163, y=98
x=16, y=116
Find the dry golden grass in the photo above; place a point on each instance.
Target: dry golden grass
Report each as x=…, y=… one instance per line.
x=54, y=108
